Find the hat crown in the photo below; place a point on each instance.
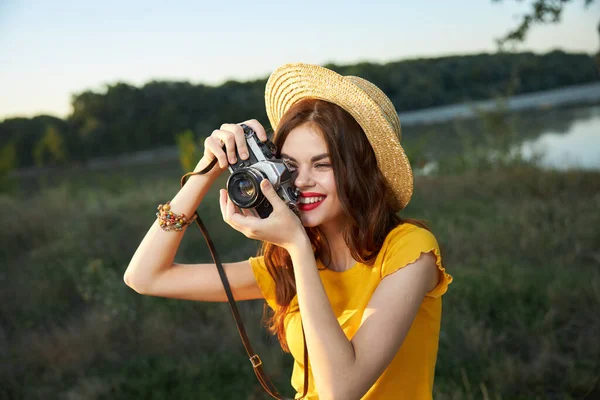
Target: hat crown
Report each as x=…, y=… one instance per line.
x=381, y=99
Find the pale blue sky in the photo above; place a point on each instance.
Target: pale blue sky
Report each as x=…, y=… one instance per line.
x=51, y=49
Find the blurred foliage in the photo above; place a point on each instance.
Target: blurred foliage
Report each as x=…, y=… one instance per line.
x=520, y=319
x=8, y=161
x=50, y=149
x=541, y=12
x=124, y=118
x=101, y=287
x=189, y=151
x=25, y=133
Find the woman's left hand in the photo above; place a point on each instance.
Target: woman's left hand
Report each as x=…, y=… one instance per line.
x=282, y=228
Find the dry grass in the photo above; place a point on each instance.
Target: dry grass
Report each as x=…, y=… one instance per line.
x=67, y=347
x=520, y=320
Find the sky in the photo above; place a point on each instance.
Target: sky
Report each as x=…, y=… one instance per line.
x=52, y=49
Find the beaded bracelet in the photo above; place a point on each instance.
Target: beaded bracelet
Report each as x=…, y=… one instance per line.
x=169, y=221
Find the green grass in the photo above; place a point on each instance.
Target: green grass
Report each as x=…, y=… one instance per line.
x=520, y=320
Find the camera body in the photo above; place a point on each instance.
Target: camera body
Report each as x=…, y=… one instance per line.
x=243, y=185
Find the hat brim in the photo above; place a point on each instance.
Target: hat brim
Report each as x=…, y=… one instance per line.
x=291, y=83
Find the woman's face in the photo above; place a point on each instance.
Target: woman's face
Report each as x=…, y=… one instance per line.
x=306, y=152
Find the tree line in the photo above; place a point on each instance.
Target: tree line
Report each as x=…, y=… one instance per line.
x=123, y=118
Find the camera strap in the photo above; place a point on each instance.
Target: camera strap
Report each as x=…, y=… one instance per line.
x=254, y=358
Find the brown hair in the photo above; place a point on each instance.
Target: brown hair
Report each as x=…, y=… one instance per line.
x=358, y=181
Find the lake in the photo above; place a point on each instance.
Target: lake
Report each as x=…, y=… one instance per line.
x=564, y=138
x=579, y=147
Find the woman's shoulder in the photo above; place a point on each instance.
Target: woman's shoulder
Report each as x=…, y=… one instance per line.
x=410, y=234
x=404, y=245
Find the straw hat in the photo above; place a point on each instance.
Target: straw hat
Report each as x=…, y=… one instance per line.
x=369, y=106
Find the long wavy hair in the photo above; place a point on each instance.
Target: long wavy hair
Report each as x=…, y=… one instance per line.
x=358, y=182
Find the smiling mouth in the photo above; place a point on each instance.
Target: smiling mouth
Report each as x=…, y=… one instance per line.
x=310, y=205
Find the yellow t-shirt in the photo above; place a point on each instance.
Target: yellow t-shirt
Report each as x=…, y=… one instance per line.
x=410, y=374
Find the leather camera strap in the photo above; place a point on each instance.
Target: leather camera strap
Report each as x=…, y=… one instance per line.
x=254, y=358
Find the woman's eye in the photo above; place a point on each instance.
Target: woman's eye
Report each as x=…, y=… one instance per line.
x=293, y=167
x=288, y=164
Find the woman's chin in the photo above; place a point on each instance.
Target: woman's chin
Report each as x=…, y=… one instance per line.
x=308, y=222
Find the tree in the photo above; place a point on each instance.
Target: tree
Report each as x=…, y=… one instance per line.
x=189, y=153
x=50, y=149
x=8, y=161
x=541, y=12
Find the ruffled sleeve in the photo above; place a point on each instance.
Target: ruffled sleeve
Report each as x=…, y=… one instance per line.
x=264, y=279
x=404, y=245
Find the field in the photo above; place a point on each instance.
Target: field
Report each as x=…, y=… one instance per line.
x=520, y=320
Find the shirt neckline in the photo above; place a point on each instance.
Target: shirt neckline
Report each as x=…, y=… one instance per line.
x=349, y=271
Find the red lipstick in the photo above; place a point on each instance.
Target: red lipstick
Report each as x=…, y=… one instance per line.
x=310, y=206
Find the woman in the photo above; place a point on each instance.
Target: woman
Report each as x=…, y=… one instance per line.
x=364, y=284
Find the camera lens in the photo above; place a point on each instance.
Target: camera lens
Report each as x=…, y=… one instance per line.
x=243, y=187
x=246, y=189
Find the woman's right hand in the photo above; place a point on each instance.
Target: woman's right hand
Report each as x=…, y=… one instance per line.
x=230, y=136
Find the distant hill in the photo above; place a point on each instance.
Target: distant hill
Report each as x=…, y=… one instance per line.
x=124, y=118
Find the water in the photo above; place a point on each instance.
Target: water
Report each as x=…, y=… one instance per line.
x=562, y=138
x=578, y=148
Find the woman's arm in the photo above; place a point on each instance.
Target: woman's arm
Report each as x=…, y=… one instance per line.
x=152, y=270
x=156, y=252
x=346, y=369
x=201, y=282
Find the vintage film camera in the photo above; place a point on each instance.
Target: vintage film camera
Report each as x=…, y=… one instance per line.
x=243, y=185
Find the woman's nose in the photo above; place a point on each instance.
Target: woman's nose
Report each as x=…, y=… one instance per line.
x=303, y=178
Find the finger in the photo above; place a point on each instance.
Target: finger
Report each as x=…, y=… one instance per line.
x=228, y=138
x=212, y=145
x=238, y=210
x=269, y=192
x=229, y=209
x=258, y=128
x=247, y=212
x=236, y=218
x=223, y=201
x=239, y=139
x=244, y=223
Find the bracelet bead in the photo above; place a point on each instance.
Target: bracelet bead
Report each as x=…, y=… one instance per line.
x=170, y=221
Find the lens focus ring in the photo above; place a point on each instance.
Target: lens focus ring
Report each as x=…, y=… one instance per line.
x=243, y=187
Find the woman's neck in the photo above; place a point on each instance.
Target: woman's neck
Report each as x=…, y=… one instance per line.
x=341, y=258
